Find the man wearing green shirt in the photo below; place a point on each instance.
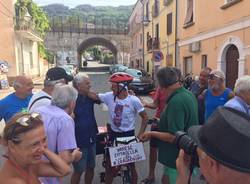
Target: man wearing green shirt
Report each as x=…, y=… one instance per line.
x=180, y=113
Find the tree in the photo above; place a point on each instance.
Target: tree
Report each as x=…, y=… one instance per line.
x=39, y=18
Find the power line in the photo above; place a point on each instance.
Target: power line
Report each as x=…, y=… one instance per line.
x=6, y=7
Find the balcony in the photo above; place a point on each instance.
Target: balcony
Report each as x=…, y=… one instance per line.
x=167, y=2
x=26, y=29
x=149, y=43
x=155, y=10
x=156, y=43
x=153, y=43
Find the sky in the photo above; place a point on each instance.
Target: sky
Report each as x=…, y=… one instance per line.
x=73, y=3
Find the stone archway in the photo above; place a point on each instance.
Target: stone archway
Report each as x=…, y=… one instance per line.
x=230, y=54
x=96, y=41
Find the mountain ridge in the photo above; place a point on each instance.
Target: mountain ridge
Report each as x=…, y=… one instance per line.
x=107, y=12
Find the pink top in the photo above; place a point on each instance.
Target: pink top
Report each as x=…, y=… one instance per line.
x=161, y=98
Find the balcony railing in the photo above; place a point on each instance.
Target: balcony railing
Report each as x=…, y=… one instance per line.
x=27, y=29
x=156, y=43
x=153, y=43
x=155, y=9
x=149, y=43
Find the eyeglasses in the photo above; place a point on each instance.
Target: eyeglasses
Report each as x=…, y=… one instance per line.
x=25, y=121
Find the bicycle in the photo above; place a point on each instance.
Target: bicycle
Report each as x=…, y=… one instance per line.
x=103, y=145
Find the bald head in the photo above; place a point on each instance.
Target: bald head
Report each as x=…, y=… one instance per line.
x=23, y=86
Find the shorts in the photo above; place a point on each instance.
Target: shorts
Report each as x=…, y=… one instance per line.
x=87, y=160
x=153, y=141
x=171, y=173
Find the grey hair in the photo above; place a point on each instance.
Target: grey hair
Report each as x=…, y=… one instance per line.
x=80, y=77
x=52, y=83
x=63, y=95
x=16, y=84
x=168, y=76
x=242, y=84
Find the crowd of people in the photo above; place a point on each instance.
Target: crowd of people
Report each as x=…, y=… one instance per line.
x=47, y=132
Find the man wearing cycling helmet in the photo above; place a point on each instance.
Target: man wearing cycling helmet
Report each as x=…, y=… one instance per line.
x=123, y=109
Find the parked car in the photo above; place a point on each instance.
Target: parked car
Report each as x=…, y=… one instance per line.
x=142, y=82
x=117, y=68
x=70, y=69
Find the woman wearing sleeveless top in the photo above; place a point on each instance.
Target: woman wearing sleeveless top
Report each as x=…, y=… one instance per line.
x=25, y=141
x=217, y=94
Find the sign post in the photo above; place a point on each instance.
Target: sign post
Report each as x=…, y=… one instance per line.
x=157, y=57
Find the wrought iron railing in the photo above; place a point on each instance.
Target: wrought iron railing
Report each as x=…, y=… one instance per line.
x=85, y=25
x=24, y=25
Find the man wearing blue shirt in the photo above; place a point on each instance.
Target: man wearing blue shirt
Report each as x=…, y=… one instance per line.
x=17, y=101
x=85, y=130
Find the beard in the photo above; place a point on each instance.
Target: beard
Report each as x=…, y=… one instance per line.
x=215, y=87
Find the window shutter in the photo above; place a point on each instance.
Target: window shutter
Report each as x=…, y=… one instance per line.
x=189, y=15
x=169, y=23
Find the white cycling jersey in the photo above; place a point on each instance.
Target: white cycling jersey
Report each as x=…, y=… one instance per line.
x=122, y=112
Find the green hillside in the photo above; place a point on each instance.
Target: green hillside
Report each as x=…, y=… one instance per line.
x=88, y=12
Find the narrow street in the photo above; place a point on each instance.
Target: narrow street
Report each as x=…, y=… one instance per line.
x=99, y=83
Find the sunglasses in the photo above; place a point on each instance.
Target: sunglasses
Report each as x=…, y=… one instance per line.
x=213, y=76
x=25, y=121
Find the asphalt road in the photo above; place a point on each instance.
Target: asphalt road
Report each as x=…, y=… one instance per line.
x=99, y=84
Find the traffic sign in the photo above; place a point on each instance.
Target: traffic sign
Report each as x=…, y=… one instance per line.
x=157, y=56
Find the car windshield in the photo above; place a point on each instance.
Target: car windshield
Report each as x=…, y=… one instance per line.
x=134, y=73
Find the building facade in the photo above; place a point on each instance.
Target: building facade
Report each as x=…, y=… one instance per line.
x=136, y=36
x=215, y=33
x=7, y=35
x=159, y=34
x=19, y=42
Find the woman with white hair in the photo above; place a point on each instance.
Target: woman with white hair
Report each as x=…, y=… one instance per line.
x=241, y=101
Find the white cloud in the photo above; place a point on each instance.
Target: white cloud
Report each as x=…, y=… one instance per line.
x=73, y=3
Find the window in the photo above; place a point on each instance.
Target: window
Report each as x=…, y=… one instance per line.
x=189, y=14
x=147, y=11
x=31, y=60
x=147, y=66
x=169, y=23
x=157, y=31
x=156, y=8
x=203, y=61
x=141, y=38
x=188, y=65
x=229, y=3
x=167, y=2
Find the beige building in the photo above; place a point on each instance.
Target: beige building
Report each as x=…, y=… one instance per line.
x=26, y=49
x=159, y=34
x=19, y=42
x=136, y=36
x=7, y=35
x=215, y=33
